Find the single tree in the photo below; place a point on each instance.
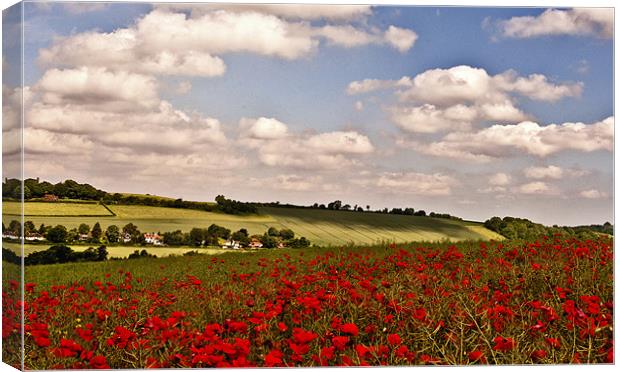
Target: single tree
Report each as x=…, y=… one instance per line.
x=84, y=229
x=57, y=234
x=96, y=232
x=112, y=233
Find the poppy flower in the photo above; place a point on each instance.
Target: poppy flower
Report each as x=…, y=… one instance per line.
x=273, y=358
x=340, y=342
x=538, y=355
x=99, y=362
x=394, y=339
x=553, y=342
x=476, y=356
x=350, y=329
x=503, y=344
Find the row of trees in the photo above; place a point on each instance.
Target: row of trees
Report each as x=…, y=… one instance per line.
x=33, y=188
x=337, y=205
x=131, y=235
x=63, y=254
x=222, y=204
x=522, y=228
x=60, y=234
x=69, y=189
x=211, y=236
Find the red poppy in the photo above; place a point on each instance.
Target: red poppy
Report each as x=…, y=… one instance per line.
x=553, y=342
x=476, y=356
x=340, y=342
x=302, y=336
x=394, y=339
x=503, y=344
x=538, y=355
x=350, y=329
x=99, y=362
x=273, y=359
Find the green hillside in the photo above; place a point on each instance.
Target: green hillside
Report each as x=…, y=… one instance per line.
x=322, y=227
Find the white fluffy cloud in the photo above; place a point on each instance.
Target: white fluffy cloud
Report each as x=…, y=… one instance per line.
x=289, y=11
x=292, y=182
x=339, y=142
x=400, y=38
x=535, y=188
x=109, y=90
x=163, y=128
x=552, y=172
x=499, y=179
x=40, y=141
x=536, y=86
x=530, y=138
x=430, y=118
x=592, y=194
x=276, y=146
x=434, y=184
x=80, y=8
x=166, y=42
x=369, y=85
x=578, y=21
x=263, y=128
x=456, y=98
x=12, y=100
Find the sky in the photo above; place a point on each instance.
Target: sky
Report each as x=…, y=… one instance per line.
x=476, y=112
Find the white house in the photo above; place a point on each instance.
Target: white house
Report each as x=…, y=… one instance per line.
x=153, y=238
x=34, y=237
x=231, y=244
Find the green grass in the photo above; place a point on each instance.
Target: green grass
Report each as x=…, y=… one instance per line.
x=322, y=227
x=55, y=209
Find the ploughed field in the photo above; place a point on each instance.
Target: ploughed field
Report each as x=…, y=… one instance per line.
x=549, y=301
x=321, y=227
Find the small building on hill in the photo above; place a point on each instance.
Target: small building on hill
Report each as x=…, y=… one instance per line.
x=34, y=237
x=153, y=238
x=255, y=243
x=231, y=244
x=50, y=198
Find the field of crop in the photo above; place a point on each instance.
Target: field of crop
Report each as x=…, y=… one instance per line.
x=118, y=251
x=12, y=209
x=549, y=301
x=322, y=227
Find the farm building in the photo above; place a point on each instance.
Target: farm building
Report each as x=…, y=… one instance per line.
x=34, y=237
x=9, y=235
x=50, y=198
x=231, y=244
x=125, y=238
x=153, y=238
x=255, y=243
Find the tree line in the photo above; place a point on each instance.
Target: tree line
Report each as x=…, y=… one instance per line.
x=522, y=228
x=131, y=235
x=337, y=205
x=35, y=189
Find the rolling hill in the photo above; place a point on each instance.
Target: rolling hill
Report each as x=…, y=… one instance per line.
x=322, y=227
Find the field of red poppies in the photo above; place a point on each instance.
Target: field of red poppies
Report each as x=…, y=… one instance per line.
x=549, y=301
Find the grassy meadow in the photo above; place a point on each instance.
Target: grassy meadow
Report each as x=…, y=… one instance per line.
x=322, y=227
x=44, y=209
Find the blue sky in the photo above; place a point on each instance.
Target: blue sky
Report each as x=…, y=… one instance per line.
x=382, y=145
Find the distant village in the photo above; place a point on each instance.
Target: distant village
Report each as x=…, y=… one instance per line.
x=213, y=236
